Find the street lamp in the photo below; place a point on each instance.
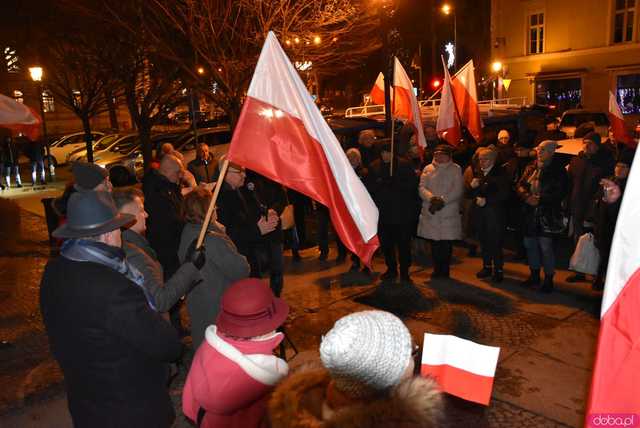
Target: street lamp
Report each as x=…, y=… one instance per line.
x=496, y=67
x=36, y=75
x=447, y=9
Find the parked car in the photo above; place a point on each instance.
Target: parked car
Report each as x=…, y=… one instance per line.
x=217, y=139
x=100, y=144
x=572, y=119
x=60, y=148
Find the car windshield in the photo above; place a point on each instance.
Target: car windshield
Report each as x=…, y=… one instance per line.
x=577, y=119
x=104, y=142
x=125, y=145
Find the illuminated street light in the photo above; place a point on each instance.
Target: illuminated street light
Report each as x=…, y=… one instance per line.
x=288, y=42
x=335, y=39
x=200, y=70
x=496, y=66
x=446, y=9
x=317, y=40
x=296, y=40
x=36, y=73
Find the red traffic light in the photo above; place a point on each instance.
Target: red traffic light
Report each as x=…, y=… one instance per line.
x=435, y=83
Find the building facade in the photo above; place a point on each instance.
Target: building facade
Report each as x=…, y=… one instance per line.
x=569, y=53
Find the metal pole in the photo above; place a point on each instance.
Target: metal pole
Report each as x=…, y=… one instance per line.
x=420, y=70
x=193, y=116
x=455, y=41
x=44, y=134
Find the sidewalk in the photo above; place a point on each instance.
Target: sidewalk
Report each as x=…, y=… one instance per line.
x=547, y=341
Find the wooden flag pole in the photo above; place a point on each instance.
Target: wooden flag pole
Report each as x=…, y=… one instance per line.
x=212, y=204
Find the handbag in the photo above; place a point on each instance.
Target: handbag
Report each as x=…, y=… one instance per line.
x=552, y=222
x=287, y=220
x=586, y=257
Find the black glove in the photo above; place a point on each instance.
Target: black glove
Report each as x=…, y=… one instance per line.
x=196, y=256
x=436, y=204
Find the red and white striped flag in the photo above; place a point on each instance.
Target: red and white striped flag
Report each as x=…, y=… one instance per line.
x=615, y=386
x=377, y=92
x=461, y=367
x=448, y=126
x=617, y=123
x=405, y=103
x=19, y=118
x=466, y=98
x=282, y=135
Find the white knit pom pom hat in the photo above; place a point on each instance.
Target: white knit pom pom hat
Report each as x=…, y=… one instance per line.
x=368, y=348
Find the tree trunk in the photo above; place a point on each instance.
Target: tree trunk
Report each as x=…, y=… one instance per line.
x=144, y=132
x=113, y=115
x=88, y=138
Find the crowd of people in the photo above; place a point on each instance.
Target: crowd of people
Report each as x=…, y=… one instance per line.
x=11, y=148
x=129, y=258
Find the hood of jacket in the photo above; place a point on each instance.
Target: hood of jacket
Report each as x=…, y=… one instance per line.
x=298, y=402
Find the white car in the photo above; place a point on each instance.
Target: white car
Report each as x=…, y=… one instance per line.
x=67, y=144
x=100, y=144
x=121, y=148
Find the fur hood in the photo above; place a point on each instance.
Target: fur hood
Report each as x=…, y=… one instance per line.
x=298, y=402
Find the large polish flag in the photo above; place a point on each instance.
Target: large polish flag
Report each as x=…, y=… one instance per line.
x=377, y=92
x=282, y=135
x=448, y=126
x=461, y=367
x=405, y=103
x=19, y=118
x=615, y=386
x=617, y=123
x=466, y=99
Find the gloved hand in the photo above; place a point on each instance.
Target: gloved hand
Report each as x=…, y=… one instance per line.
x=436, y=204
x=196, y=256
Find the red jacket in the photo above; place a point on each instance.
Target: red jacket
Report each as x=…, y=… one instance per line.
x=232, y=380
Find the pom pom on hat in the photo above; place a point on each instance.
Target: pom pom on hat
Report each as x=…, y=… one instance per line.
x=369, y=348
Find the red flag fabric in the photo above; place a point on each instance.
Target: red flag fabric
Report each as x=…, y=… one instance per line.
x=617, y=123
x=448, y=126
x=405, y=103
x=282, y=135
x=377, y=92
x=466, y=99
x=616, y=372
x=461, y=367
x=19, y=118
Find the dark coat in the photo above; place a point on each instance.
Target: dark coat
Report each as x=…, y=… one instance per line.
x=606, y=218
x=240, y=220
x=495, y=187
x=163, y=202
x=203, y=171
x=585, y=173
x=112, y=347
x=395, y=196
x=553, y=188
x=165, y=293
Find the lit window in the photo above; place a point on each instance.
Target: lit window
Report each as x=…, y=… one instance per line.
x=47, y=101
x=629, y=93
x=536, y=33
x=11, y=60
x=623, y=21
x=18, y=96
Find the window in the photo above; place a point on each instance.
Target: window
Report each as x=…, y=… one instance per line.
x=536, y=33
x=11, y=60
x=18, y=96
x=623, y=21
x=628, y=93
x=47, y=101
x=563, y=93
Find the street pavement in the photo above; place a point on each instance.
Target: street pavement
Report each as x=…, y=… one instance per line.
x=547, y=341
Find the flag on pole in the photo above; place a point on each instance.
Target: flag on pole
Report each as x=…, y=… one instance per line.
x=461, y=367
x=448, y=126
x=282, y=135
x=466, y=99
x=406, y=104
x=377, y=92
x=617, y=122
x=19, y=118
x=616, y=372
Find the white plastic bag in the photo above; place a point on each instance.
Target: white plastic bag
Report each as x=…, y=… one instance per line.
x=586, y=257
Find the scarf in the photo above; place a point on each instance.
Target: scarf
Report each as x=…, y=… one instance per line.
x=81, y=250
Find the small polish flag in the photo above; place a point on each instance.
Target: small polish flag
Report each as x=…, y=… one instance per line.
x=405, y=103
x=617, y=123
x=377, y=92
x=282, y=135
x=448, y=126
x=461, y=367
x=463, y=85
x=19, y=118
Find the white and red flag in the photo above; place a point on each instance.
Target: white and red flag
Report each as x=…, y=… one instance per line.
x=616, y=372
x=19, y=118
x=617, y=123
x=448, y=125
x=377, y=92
x=461, y=367
x=405, y=103
x=282, y=135
x=466, y=99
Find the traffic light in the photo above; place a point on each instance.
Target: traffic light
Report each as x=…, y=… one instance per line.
x=435, y=83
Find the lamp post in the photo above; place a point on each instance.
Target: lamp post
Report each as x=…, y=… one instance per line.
x=496, y=67
x=36, y=75
x=447, y=9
